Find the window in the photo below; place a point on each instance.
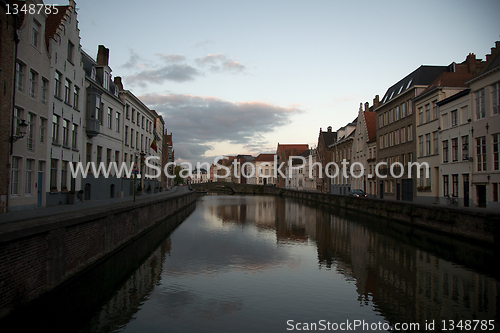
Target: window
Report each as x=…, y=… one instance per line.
x=391, y=116
x=403, y=134
x=14, y=181
x=30, y=132
x=126, y=135
x=410, y=133
x=435, y=142
x=19, y=76
x=88, y=153
x=105, y=80
x=71, y=51
x=391, y=136
x=480, y=110
x=98, y=111
x=397, y=113
x=496, y=139
x=43, y=128
x=117, y=122
x=428, y=144
x=110, y=111
x=76, y=96
x=454, y=179
x=99, y=155
x=132, y=137
x=65, y=138
x=93, y=73
x=64, y=175
x=446, y=183
x=420, y=115
x=445, y=151
x=18, y=118
x=403, y=110
x=29, y=176
x=133, y=114
x=108, y=157
x=381, y=141
x=127, y=109
x=454, y=118
x=465, y=147
x=74, y=137
x=495, y=98
x=397, y=136
x=421, y=145
x=410, y=111
x=495, y=192
x=435, y=112
x=380, y=121
x=454, y=149
x=35, y=36
x=33, y=80
x=45, y=87
x=481, y=153
x=53, y=174
x=427, y=112
x=57, y=85
x=137, y=140
x=55, y=129
x=67, y=91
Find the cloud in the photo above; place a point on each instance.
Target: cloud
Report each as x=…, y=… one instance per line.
x=219, y=63
x=175, y=72
x=172, y=58
x=133, y=60
x=199, y=122
x=204, y=43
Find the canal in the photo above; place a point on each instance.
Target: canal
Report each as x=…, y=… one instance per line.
x=270, y=264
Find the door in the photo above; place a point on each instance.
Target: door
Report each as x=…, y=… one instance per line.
x=39, y=193
x=481, y=195
x=466, y=190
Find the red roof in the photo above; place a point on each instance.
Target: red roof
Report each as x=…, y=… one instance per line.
x=264, y=158
x=370, y=121
x=449, y=79
x=288, y=147
x=53, y=22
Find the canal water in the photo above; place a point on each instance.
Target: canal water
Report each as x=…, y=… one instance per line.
x=270, y=264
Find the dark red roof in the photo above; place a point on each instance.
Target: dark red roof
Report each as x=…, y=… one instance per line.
x=287, y=147
x=53, y=22
x=370, y=121
x=264, y=158
x=448, y=79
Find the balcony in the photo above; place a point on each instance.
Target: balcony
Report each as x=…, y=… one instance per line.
x=93, y=127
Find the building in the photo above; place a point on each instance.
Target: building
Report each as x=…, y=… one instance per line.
x=454, y=150
x=428, y=125
x=103, y=129
x=283, y=153
x=324, y=156
x=362, y=177
x=264, y=170
x=341, y=155
x=485, y=131
x=8, y=49
x=396, y=128
x=167, y=159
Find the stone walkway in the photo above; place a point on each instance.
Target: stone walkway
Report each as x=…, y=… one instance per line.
x=63, y=209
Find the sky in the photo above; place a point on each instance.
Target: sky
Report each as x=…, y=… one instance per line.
x=239, y=77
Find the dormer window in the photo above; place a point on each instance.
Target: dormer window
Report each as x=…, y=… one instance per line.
x=93, y=73
x=116, y=91
x=105, y=80
x=408, y=86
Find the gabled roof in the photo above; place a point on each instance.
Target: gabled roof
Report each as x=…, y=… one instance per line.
x=288, y=147
x=264, y=158
x=329, y=137
x=53, y=22
x=449, y=79
x=424, y=75
x=370, y=121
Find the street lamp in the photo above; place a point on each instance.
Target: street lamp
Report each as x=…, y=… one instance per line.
x=22, y=131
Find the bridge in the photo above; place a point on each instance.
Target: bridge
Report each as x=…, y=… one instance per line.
x=234, y=188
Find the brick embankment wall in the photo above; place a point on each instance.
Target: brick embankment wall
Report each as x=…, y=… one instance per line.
x=479, y=226
x=38, y=255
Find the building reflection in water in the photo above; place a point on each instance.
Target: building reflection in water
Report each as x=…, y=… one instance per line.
x=402, y=282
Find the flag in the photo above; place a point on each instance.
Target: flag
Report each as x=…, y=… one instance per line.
x=153, y=146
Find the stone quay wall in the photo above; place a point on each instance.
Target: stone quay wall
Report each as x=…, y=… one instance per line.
x=40, y=254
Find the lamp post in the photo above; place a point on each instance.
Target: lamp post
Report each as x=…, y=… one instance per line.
x=22, y=131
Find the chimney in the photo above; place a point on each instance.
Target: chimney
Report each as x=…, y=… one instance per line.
x=367, y=107
x=360, y=107
x=103, y=56
x=329, y=129
x=376, y=101
x=118, y=82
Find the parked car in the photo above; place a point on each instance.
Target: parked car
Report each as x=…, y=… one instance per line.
x=358, y=194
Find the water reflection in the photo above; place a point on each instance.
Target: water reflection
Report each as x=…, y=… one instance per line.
x=252, y=263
